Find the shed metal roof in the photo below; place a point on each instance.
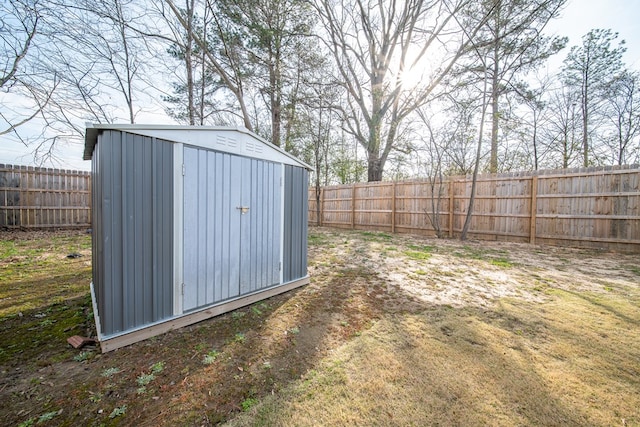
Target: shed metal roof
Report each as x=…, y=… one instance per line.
x=219, y=138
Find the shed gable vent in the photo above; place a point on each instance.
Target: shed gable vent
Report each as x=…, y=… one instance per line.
x=253, y=148
x=225, y=141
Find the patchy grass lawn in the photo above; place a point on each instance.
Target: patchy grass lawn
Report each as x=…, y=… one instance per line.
x=392, y=330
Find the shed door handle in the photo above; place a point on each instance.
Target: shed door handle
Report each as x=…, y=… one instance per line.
x=243, y=209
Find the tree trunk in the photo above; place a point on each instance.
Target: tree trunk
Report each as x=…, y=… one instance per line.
x=317, y=194
x=374, y=168
x=275, y=100
x=585, y=119
x=188, y=57
x=535, y=141
x=585, y=136
x=495, y=115
x=472, y=198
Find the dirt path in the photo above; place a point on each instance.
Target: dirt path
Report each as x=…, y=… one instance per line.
x=449, y=272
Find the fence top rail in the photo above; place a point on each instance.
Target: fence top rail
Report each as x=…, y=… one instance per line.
x=549, y=173
x=507, y=176
x=42, y=170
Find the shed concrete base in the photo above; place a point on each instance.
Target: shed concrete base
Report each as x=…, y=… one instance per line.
x=115, y=342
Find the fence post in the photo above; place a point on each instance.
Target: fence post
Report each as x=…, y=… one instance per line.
x=353, y=206
x=534, y=206
x=321, y=219
x=450, y=207
x=393, y=208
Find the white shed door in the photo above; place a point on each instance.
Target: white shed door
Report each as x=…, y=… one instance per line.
x=231, y=233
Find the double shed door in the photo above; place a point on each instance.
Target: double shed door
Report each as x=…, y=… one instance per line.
x=232, y=221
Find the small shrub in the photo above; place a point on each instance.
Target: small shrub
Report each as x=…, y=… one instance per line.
x=239, y=338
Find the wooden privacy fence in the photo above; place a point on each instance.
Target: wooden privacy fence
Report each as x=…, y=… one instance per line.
x=595, y=207
x=33, y=197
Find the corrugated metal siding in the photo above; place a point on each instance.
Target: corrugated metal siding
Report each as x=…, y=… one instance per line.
x=133, y=230
x=295, y=223
x=227, y=253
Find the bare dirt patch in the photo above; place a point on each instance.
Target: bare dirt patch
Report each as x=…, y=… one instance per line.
x=392, y=330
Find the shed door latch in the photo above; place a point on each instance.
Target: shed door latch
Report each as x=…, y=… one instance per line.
x=243, y=209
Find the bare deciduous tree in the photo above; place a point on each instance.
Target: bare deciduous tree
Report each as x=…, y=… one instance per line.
x=20, y=76
x=377, y=46
x=624, y=118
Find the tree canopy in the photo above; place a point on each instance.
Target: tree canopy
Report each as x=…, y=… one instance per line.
x=396, y=89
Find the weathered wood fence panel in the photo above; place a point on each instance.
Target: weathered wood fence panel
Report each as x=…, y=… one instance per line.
x=596, y=207
x=32, y=197
x=582, y=207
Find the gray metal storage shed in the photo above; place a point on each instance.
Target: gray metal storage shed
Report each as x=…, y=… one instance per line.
x=189, y=223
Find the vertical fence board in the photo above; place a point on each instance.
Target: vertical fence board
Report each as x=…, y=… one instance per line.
x=597, y=207
x=33, y=197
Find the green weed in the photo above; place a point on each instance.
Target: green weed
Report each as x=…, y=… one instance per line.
x=118, y=411
x=95, y=397
x=634, y=269
x=27, y=423
x=248, y=403
x=501, y=262
x=316, y=239
x=423, y=248
x=295, y=330
x=145, y=379
x=48, y=416
x=237, y=315
x=376, y=237
x=418, y=255
x=110, y=372
x=157, y=367
x=81, y=357
x=210, y=357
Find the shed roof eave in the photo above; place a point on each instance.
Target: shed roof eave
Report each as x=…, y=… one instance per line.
x=93, y=130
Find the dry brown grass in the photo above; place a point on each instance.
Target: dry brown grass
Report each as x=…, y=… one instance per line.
x=549, y=341
x=392, y=331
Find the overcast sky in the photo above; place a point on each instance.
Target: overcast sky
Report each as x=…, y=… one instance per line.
x=578, y=17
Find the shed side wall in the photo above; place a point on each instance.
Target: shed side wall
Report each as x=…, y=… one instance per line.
x=132, y=230
x=295, y=223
